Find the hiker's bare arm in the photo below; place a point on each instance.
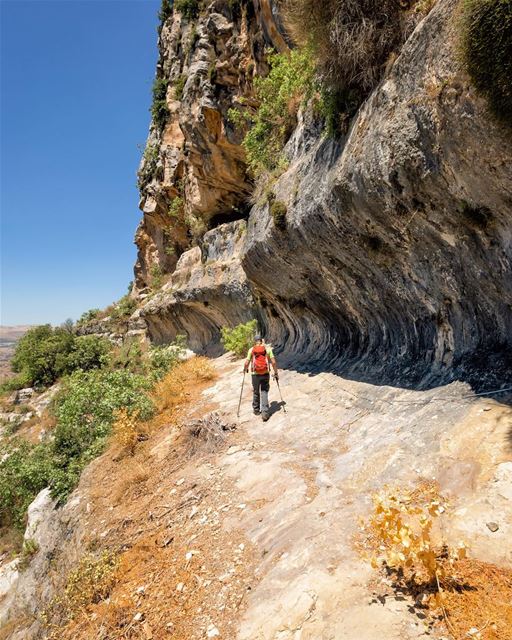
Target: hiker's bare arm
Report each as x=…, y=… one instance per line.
x=274, y=366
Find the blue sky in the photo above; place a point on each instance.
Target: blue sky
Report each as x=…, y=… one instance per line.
x=76, y=81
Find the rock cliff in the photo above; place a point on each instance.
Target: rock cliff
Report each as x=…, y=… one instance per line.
x=207, y=290
x=193, y=174
x=394, y=261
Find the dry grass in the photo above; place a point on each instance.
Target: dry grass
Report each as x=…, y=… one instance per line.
x=89, y=583
x=158, y=593
x=126, y=430
x=131, y=483
x=484, y=602
x=9, y=627
x=11, y=542
x=179, y=568
x=351, y=39
x=178, y=388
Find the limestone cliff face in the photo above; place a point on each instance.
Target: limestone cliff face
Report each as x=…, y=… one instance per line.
x=193, y=174
x=207, y=290
x=395, y=262
x=193, y=179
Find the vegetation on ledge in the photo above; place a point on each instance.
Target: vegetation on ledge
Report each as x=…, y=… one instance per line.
x=240, y=338
x=159, y=108
x=486, y=44
x=289, y=84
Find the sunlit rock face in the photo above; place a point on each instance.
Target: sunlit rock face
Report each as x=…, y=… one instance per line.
x=208, y=290
x=394, y=263
x=195, y=155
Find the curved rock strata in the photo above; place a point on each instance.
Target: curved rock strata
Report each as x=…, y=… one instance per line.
x=396, y=260
x=394, y=263
x=207, y=290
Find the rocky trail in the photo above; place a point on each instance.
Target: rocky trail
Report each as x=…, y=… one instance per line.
x=310, y=474
x=260, y=540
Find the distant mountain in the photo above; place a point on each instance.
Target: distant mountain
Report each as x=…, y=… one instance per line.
x=9, y=336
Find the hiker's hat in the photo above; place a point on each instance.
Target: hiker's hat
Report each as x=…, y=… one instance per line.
x=257, y=337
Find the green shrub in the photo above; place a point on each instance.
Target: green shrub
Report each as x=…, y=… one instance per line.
x=28, y=551
x=149, y=168
x=163, y=358
x=44, y=354
x=196, y=225
x=156, y=276
x=129, y=355
x=278, y=210
x=88, y=352
x=486, y=44
x=176, y=208
x=337, y=106
x=25, y=470
x=159, y=108
x=239, y=339
x=179, y=86
x=165, y=11
x=124, y=308
x=87, y=316
x=188, y=8
x=41, y=355
x=289, y=84
x=85, y=410
x=14, y=383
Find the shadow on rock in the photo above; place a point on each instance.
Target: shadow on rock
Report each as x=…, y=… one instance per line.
x=490, y=375
x=275, y=406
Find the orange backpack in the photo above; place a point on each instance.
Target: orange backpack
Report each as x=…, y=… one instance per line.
x=259, y=360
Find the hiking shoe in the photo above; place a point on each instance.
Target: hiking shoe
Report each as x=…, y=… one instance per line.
x=265, y=416
x=256, y=412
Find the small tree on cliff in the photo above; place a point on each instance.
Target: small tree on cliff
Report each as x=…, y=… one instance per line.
x=165, y=11
x=239, y=339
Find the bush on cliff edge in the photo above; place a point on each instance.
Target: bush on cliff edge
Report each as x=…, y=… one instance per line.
x=486, y=45
x=350, y=39
x=45, y=353
x=85, y=410
x=239, y=339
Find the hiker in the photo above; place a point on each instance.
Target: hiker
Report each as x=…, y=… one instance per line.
x=258, y=357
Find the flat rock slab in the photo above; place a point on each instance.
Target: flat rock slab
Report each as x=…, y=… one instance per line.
x=307, y=476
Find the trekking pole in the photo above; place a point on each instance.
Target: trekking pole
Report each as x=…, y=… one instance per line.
x=240, y=401
x=284, y=403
